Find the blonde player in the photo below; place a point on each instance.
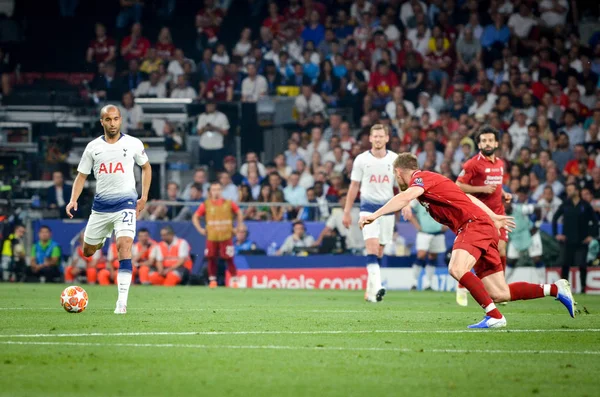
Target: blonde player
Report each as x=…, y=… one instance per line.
x=373, y=175
x=112, y=157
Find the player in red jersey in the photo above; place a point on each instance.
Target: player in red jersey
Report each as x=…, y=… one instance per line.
x=476, y=243
x=482, y=177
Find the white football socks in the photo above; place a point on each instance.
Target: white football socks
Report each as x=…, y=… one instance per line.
x=429, y=274
x=123, y=282
x=416, y=273
x=374, y=273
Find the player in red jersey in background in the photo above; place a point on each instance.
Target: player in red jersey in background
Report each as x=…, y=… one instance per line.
x=476, y=243
x=219, y=232
x=482, y=177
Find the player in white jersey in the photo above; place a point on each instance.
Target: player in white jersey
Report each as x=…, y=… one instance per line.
x=112, y=157
x=373, y=175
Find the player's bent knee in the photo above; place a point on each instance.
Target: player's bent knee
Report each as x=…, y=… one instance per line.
x=500, y=296
x=88, y=250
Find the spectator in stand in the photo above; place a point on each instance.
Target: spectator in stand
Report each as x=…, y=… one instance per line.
x=519, y=130
x=438, y=63
x=206, y=66
x=176, y=65
x=413, y=78
x=242, y=244
x=197, y=198
x=220, y=56
x=274, y=21
x=468, y=54
x=381, y=84
x=328, y=84
x=338, y=157
x=212, y=127
x=307, y=105
x=229, y=190
x=573, y=130
x=273, y=78
x=135, y=45
x=165, y=48
x=580, y=156
x=151, y=63
x=314, y=30
x=317, y=143
x=594, y=184
x=294, y=14
x=45, y=258
x=131, y=114
x=281, y=166
x=551, y=181
x=278, y=212
x=494, y=38
x=563, y=152
x=306, y=178
x=133, y=77
x=230, y=166
x=553, y=13
x=244, y=44
x=254, y=86
x=252, y=158
x=295, y=194
x=425, y=107
x=199, y=179
x=59, y=194
x=151, y=88
x=106, y=86
x=298, y=239
x=219, y=87
x=208, y=23
x=131, y=11
x=482, y=105
x=183, y=90
x=549, y=204
x=102, y=48
x=162, y=211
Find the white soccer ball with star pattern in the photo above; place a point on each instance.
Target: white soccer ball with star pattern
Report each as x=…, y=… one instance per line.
x=74, y=299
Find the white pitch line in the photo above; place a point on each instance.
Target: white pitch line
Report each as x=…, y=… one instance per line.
x=312, y=348
x=316, y=332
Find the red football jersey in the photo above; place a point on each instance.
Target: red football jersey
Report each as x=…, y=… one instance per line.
x=479, y=171
x=102, y=48
x=219, y=87
x=444, y=200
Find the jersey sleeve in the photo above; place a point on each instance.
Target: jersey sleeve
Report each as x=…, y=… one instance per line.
x=184, y=249
x=235, y=208
x=423, y=181
x=156, y=253
x=202, y=209
x=140, y=155
x=357, y=170
x=55, y=252
x=86, y=163
x=466, y=175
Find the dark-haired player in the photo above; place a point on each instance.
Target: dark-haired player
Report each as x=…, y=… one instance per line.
x=482, y=177
x=476, y=243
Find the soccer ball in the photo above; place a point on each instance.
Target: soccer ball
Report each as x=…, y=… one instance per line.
x=74, y=299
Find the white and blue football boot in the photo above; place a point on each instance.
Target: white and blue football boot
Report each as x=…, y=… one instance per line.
x=565, y=296
x=490, y=322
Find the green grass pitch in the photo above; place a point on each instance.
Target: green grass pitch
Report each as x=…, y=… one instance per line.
x=200, y=342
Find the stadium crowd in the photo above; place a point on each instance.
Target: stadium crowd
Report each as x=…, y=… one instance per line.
x=432, y=72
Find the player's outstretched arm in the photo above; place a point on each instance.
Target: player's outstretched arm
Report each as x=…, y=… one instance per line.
x=395, y=204
x=469, y=189
x=146, y=181
x=352, y=193
x=501, y=221
x=75, y=193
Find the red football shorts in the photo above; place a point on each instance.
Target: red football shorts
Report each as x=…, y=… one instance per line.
x=480, y=239
x=219, y=249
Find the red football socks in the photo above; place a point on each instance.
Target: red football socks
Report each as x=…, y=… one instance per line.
x=526, y=291
x=231, y=267
x=212, y=267
x=478, y=292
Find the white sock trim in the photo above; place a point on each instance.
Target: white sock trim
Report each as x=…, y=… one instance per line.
x=546, y=289
x=490, y=307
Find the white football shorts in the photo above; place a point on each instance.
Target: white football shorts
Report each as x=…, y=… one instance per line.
x=101, y=226
x=535, y=249
x=432, y=243
x=382, y=228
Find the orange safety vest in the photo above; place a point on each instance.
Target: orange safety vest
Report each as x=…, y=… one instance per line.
x=80, y=254
x=170, y=254
x=219, y=220
x=143, y=251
